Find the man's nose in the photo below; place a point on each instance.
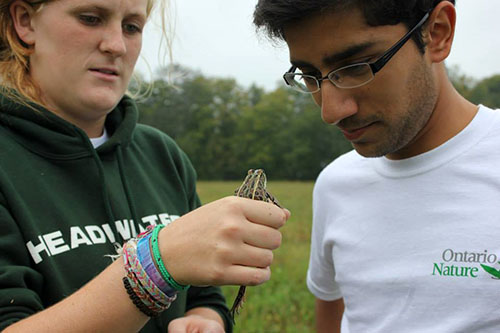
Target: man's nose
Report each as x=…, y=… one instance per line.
x=336, y=103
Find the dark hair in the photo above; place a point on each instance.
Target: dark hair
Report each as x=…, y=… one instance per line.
x=273, y=15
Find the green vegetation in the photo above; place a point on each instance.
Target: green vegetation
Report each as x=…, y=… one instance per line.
x=486, y=91
x=283, y=304
x=225, y=128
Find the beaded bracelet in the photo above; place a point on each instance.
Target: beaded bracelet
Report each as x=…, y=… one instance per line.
x=146, y=296
x=159, y=299
x=136, y=300
x=138, y=295
x=159, y=262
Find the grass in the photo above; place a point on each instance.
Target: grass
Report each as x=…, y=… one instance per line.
x=284, y=303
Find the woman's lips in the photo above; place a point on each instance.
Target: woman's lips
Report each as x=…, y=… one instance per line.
x=105, y=74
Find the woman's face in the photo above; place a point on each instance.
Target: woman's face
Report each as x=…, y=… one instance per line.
x=84, y=55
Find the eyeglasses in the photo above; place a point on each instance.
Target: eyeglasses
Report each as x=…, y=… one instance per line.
x=351, y=76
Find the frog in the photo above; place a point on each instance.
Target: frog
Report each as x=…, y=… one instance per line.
x=253, y=187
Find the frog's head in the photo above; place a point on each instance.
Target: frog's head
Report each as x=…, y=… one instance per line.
x=258, y=176
x=254, y=185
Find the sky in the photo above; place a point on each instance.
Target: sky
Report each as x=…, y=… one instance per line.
x=217, y=38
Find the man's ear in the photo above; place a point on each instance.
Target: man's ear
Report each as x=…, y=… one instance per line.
x=440, y=31
x=22, y=15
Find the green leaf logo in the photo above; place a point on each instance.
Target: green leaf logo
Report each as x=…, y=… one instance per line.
x=493, y=271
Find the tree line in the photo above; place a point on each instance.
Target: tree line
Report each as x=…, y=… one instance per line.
x=226, y=129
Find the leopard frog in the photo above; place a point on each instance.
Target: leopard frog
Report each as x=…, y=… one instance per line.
x=253, y=187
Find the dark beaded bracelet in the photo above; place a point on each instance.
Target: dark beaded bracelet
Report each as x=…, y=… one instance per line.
x=136, y=300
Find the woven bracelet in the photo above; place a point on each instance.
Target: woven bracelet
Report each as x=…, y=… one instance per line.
x=163, y=270
x=136, y=286
x=157, y=298
x=147, y=300
x=142, y=291
x=145, y=257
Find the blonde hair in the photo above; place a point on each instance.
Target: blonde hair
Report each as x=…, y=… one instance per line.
x=15, y=80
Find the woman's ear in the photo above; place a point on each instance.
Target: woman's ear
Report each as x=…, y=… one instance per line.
x=440, y=31
x=22, y=14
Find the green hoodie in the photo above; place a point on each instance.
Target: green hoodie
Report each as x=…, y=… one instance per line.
x=65, y=205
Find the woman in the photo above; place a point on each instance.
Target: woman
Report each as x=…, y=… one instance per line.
x=78, y=176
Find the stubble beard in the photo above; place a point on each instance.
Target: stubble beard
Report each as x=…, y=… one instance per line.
x=422, y=98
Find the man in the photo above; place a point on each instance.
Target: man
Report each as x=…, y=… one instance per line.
x=404, y=231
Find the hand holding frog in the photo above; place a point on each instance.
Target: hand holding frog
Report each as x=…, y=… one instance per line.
x=226, y=242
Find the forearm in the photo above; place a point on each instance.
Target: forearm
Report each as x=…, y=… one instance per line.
x=101, y=305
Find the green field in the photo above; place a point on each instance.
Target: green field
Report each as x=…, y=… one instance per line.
x=283, y=304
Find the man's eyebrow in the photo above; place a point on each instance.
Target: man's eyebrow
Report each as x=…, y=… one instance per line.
x=301, y=64
x=350, y=52
x=333, y=59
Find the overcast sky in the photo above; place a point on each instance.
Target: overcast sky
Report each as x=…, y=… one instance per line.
x=217, y=38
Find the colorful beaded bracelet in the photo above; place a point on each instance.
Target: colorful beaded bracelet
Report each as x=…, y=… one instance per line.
x=133, y=265
x=136, y=300
x=147, y=297
x=140, y=298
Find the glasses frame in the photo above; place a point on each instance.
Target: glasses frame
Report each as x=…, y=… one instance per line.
x=375, y=66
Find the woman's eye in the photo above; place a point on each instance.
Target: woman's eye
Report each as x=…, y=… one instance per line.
x=131, y=28
x=89, y=19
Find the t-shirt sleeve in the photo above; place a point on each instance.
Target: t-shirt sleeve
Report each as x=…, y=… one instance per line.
x=20, y=285
x=321, y=270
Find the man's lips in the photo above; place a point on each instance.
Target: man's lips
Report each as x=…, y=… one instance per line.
x=356, y=133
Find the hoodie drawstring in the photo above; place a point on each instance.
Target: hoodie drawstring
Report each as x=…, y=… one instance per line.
x=126, y=187
x=104, y=192
x=157, y=321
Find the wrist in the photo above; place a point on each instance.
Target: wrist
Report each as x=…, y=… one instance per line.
x=169, y=250
x=160, y=261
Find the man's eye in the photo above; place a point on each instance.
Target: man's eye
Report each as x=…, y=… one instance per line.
x=310, y=72
x=356, y=70
x=315, y=74
x=89, y=19
x=309, y=80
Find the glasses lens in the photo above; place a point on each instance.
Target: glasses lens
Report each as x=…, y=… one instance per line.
x=302, y=82
x=352, y=76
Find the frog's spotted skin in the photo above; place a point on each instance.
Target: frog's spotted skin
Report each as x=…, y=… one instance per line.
x=253, y=187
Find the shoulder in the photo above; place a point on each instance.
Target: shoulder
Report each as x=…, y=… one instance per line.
x=152, y=140
x=149, y=133
x=161, y=148
x=486, y=126
x=347, y=166
x=491, y=117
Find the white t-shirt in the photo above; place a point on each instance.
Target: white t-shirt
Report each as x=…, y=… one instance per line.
x=96, y=142
x=408, y=243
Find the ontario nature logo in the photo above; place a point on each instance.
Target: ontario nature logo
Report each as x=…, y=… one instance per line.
x=495, y=273
x=468, y=264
